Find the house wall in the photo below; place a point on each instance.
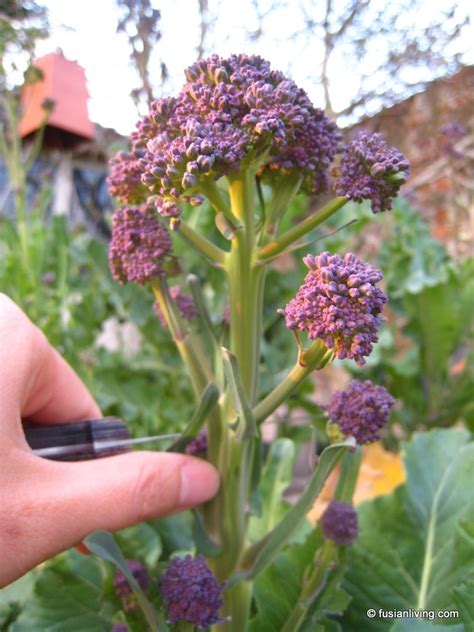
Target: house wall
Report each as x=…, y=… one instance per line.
x=435, y=130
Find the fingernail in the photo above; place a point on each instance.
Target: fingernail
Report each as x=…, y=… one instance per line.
x=199, y=482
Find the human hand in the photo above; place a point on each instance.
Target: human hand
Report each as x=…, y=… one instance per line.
x=49, y=506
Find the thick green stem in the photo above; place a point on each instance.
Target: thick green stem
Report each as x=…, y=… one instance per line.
x=237, y=601
x=245, y=284
x=245, y=281
x=307, y=362
x=202, y=245
x=278, y=245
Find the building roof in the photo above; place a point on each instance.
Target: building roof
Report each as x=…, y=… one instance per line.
x=64, y=83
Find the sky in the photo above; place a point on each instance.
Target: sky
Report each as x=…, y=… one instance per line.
x=86, y=31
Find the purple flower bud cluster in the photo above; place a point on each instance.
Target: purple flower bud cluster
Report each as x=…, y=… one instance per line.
x=339, y=304
x=339, y=523
x=369, y=170
x=191, y=592
x=125, y=178
x=198, y=446
x=361, y=410
x=310, y=153
x=121, y=585
x=140, y=243
x=184, y=303
x=120, y=627
x=230, y=110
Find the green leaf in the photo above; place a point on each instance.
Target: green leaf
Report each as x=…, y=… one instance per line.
x=68, y=596
x=15, y=597
x=103, y=544
x=416, y=546
x=203, y=314
x=463, y=596
x=224, y=226
x=277, y=588
x=276, y=477
x=204, y=544
x=247, y=428
x=140, y=542
x=262, y=553
x=176, y=532
x=208, y=400
x=424, y=625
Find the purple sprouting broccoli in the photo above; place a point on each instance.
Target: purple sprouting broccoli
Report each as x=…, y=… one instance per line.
x=361, y=410
x=198, y=446
x=369, y=170
x=339, y=523
x=339, y=304
x=190, y=592
x=184, y=303
x=230, y=112
x=140, y=245
x=120, y=627
x=125, y=178
x=310, y=153
x=121, y=585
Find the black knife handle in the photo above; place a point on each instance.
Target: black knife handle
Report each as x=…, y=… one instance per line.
x=76, y=441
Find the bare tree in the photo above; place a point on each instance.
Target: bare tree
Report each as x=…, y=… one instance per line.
x=393, y=49
x=140, y=22
x=22, y=23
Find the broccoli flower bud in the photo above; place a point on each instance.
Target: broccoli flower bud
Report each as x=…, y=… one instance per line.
x=198, y=446
x=121, y=585
x=231, y=112
x=184, y=303
x=369, y=170
x=361, y=410
x=139, y=246
x=339, y=304
x=125, y=178
x=339, y=523
x=191, y=592
x=310, y=153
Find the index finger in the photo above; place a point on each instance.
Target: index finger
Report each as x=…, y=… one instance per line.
x=36, y=383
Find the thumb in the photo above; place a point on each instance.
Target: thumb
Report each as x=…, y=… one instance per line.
x=59, y=504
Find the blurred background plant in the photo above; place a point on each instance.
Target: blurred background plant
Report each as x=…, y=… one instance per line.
x=58, y=273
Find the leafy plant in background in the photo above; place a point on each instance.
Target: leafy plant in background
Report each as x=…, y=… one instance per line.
x=66, y=289
x=248, y=140
x=425, y=358
x=416, y=546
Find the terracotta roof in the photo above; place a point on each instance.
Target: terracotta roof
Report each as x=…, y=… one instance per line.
x=64, y=83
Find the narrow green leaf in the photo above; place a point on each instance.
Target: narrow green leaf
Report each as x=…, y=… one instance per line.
x=224, y=226
x=256, y=500
x=204, y=544
x=208, y=401
x=203, y=314
x=247, y=427
x=103, y=544
x=350, y=466
x=261, y=554
x=276, y=477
